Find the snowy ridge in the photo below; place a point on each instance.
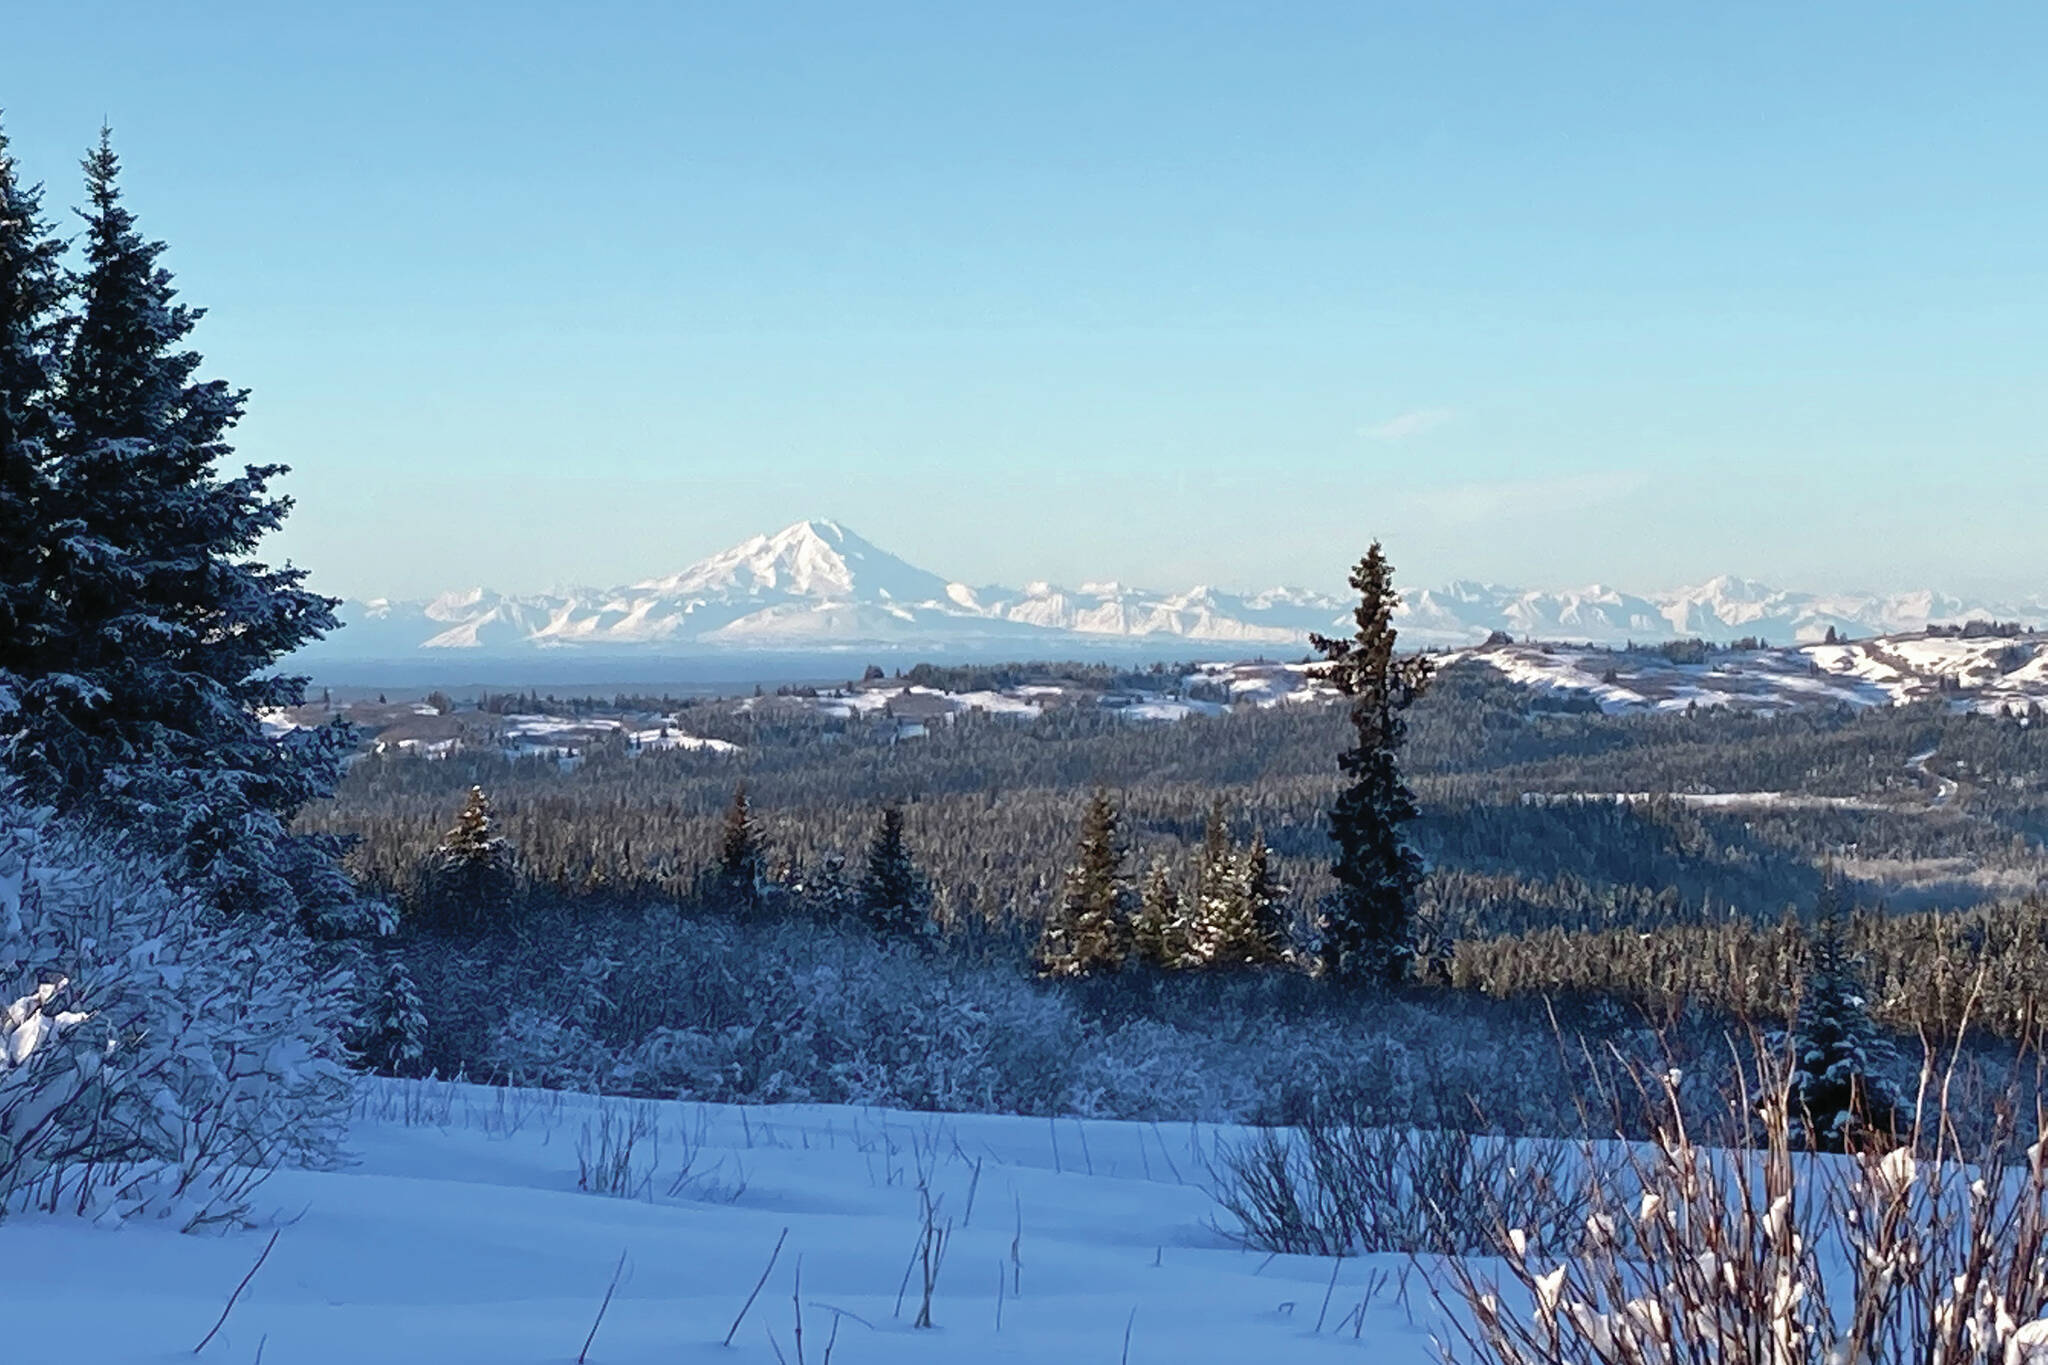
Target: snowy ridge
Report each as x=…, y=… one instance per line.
x=817, y=584
x=1991, y=674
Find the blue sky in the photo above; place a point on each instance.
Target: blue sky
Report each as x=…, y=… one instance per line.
x=1547, y=294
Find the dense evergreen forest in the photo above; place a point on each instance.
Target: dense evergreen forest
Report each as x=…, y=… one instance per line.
x=1566, y=852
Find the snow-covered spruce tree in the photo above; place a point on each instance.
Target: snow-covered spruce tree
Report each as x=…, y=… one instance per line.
x=1840, y=1097
x=1161, y=933
x=1090, y=931
x=1216, y=888
x=32, y=325
x=394, y=1037
x=1366, y=922
x=830, y=892
x=142, y=710
x=470, y=879
x=1250, y=927
x=892, y=891
x=736, y=880
x=158, y=1057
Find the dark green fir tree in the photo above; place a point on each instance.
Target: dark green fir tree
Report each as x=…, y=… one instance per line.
x=742, y=860
x=1366, y=923
x=1840, y=1096
x=1161, y=934
x=394, y=1038
x=1090, y=929
x=892, y=892
x=33, y=322
x=1253, y=932
x=144, y=708
x=471, y=882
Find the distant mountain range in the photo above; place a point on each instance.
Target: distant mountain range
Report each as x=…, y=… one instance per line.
x=818, y=587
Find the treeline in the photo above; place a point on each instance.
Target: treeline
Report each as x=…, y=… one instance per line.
x=993, y=804
x=1932, y=974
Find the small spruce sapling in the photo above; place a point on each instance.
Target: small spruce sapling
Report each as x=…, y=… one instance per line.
x=395, y=1041
x=1840, y=1097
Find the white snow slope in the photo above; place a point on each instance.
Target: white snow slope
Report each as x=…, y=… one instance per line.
x=817, y=584
x=461, y=1237
x=1990, y=674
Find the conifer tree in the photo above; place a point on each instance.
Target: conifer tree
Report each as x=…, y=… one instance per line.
x=1263, y=939
x=1216, y=905
x=1366, y=922
x=395, y=1037
x=1839, y=1094
x=470, y=886
x=892, y=894
x=144, y=706
x=742, y=862
x=1212, y=863
x=829, y=891
x=32, y=327
x=1160, y=935
x=1243, y=923
x=1090, y=931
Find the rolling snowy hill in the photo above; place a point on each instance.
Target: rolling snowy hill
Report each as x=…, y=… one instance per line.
x=818, y=586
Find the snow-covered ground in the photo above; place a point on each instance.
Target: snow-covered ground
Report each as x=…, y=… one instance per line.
x=460, y=1236
x=1988, y=674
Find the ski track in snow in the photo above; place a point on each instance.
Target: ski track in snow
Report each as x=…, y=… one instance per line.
x=456, y=1241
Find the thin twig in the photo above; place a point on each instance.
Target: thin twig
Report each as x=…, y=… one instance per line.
x=796, y=1298
x=238, y=1292
x=609, y=1290
x=765, y=1273
x=972, y=1186
x=1129, y=1322
x=1336, y=1264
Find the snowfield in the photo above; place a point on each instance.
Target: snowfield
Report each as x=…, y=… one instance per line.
x=1989, y=674
x=460, y=1235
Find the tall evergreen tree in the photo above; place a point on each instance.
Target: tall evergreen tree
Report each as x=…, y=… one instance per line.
x=1212, y=864
x=742, y=862
x=145, y=705
x=470, y=885
x=1367, y=921
x=32, y=327
x=1090, y=931
x=892, y=893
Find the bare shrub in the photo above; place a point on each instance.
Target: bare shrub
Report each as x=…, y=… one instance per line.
x=1931, y=1252
x=1342, y=1184
x=618, y=1149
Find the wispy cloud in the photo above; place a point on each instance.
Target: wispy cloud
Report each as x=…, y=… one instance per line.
x=1469, y=504
x=1409, y=424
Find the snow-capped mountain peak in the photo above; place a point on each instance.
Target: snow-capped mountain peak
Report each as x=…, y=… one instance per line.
x=817, y=584
x=817, y=559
